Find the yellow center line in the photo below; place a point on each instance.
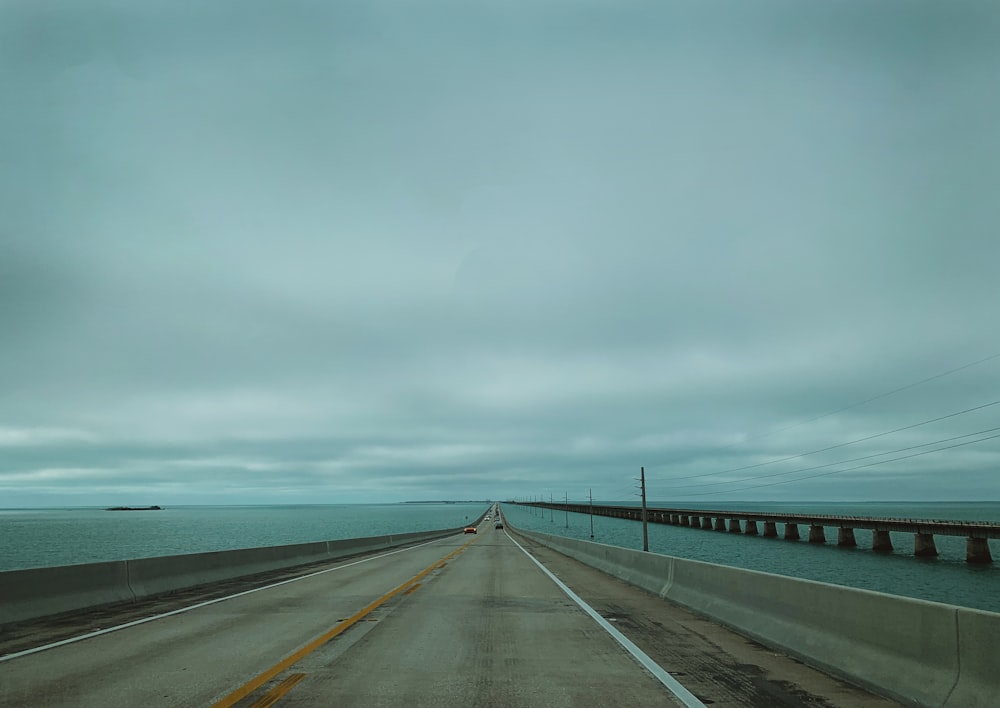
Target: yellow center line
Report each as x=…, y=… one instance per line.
x=258, y=681
x=278, y=691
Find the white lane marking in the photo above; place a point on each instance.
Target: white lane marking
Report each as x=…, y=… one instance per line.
x=669, y=682
x=99, y=632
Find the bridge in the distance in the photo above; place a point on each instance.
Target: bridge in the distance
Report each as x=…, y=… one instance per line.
x=976, y=533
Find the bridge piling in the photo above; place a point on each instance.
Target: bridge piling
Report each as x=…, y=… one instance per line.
x=923, y=545
x=976, y=533
x=977, y=550
x=845, y=537
x=881, y=540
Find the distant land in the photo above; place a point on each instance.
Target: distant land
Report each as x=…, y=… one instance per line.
x=443, y=501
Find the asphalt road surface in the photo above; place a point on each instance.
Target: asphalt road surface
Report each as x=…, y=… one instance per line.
x=464, y=621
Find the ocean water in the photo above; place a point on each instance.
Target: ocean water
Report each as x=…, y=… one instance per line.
x=947, y=578
x=34, y=538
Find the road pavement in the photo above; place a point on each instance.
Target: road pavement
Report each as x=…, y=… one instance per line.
x=468, y=620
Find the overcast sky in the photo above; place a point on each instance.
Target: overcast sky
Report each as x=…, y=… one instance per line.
x=383, y=250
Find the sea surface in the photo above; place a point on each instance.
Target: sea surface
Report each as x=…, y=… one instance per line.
x=36, y=538
x=947, y=578
x=31, y=538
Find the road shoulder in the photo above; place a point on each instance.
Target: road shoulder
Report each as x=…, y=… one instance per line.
x=720, y=666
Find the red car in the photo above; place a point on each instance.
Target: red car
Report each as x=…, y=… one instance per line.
x=471, y=529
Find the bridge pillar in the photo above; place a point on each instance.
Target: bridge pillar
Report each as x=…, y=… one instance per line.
x=706, y=522
x=881, y=540
x=770, y=529
x=674, y=520
x=791, y=532
x=977, y=550
x=817, y=534
x=751, y=529
x=720, y=523
x=845, y=537
x=734, y=526
x=684, y=520
x=923, y=545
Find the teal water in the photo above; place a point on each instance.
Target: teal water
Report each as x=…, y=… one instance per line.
x=947, y=578
x=35, y=538
x=32, y=538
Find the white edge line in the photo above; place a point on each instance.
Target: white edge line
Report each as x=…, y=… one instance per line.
x=671, y=684
x=108, y=630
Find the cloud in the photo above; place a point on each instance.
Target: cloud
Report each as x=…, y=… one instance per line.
x=36, y=437
x=366, y=251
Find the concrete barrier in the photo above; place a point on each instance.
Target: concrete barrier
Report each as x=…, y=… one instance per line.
x=36, y=592
x=39, y=592
x=916, y=651
x=153, y=576
x=979, y=672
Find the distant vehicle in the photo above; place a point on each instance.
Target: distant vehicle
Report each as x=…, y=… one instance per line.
x=499, y=525
x=471, y=529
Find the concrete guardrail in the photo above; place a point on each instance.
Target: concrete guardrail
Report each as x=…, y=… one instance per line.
x=38, y=592
x=916, y=651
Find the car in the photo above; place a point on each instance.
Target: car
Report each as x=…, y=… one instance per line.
x=499, y=525
x=470, y=529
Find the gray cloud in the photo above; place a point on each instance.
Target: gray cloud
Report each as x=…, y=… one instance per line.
x=367, y=251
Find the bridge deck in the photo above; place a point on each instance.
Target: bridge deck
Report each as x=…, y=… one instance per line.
x=972, y=529
x=482, y=627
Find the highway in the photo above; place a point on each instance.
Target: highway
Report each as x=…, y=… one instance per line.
x=466, y=620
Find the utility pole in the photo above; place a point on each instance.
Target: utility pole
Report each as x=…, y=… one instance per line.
x=645, y=531
x=591, y=513
x=567, y=509
x=552, y=513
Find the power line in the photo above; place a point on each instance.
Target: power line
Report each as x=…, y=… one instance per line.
x=849, y=469
x=838, y=445
x=881, y=395
x=845, y=408
x=838, y=462
x=623, y=492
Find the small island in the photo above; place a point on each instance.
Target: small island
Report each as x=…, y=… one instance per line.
x=134, y=508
